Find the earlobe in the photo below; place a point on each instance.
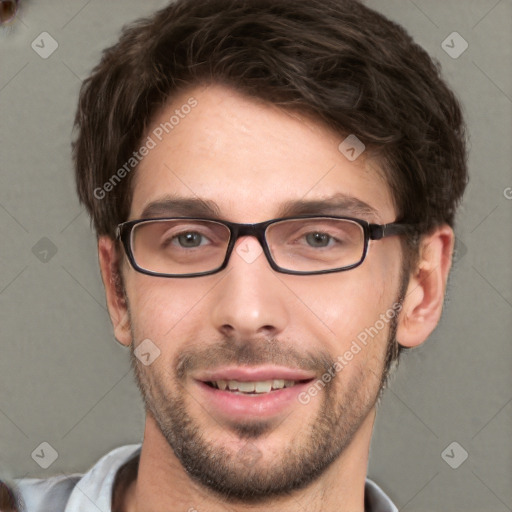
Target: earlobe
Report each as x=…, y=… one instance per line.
x=424, y=299
x=112, y=281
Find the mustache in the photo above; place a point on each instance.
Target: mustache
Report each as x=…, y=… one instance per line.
x=251, y=352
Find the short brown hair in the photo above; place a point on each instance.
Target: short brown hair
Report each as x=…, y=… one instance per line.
x=338, y=60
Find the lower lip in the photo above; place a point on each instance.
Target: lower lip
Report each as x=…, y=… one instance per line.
x=241, y=407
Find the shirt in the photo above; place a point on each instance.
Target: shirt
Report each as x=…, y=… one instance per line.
x=92, y=491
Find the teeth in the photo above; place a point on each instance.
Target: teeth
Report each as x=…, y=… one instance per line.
x=244, y=387
x=264, y=386
x=278, y=384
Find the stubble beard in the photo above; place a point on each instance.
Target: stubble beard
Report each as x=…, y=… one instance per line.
x=246, y=475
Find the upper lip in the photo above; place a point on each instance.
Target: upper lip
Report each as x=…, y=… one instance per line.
x=254, y=373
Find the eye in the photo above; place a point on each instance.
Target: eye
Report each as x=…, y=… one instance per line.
x=188, y=239
x=318, y=239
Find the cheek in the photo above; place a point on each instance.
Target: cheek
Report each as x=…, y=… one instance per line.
x=347, y=302
x=158, y=306
x=347, y=321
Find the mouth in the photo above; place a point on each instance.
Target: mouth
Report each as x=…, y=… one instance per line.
x=254, y=387
x=244, y=393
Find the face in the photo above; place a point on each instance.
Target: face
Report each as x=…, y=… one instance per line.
x=248, y=162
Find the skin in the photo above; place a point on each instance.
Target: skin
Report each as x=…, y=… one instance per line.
x=251, y=158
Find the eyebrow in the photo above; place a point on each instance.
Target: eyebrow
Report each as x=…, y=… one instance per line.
x=181, y=206
x=338, y=204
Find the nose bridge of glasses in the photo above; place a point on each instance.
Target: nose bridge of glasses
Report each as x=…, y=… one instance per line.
x=249, y=230
x=255, y=230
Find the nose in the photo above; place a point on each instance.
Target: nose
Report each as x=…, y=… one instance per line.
x=250, y=301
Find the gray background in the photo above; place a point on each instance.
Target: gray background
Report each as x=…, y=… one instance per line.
x=65, y=381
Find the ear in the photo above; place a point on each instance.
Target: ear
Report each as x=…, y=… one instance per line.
x=110, y=266
x=423, y=302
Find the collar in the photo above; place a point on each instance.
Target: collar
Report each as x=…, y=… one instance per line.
x=95, y=487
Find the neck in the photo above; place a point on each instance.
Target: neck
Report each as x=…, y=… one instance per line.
x=163, y=484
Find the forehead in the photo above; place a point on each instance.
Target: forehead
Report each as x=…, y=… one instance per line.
x=250, y=160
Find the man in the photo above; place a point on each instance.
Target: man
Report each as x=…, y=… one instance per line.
x=273, y=185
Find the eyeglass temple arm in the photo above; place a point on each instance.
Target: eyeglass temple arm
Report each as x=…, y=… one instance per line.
x=378, y=231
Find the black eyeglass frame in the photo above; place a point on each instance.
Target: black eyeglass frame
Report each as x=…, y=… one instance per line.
x=371, y=232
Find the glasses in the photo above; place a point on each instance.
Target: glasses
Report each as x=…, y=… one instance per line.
x=191, y=247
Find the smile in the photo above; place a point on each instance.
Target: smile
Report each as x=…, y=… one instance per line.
x=243, y=393
x=252, y=387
